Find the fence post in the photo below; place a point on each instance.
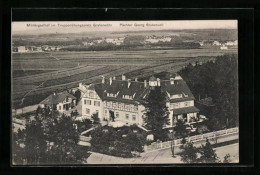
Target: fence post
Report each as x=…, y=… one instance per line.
x=226, y=131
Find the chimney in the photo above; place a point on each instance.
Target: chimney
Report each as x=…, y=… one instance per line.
x=110, y=80
x=114, y=78
x=129, y=82
x=158, y=82
x=80, y=84
x=136, y=79
x=145, y=83
x=103, y=79
x=123, y=77
x=172, y=80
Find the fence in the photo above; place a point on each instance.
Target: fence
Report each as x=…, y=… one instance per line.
x=194, y=139
x=24, y=110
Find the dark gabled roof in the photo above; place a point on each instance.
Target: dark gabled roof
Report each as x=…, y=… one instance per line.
x=57, y=98
x=185, y=110
x=181, y=99
x=138, y=91
x=152, y=78
x=179, y=87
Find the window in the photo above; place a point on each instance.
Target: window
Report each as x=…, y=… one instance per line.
x=117, y=114
x=127, y=116
x=133, y=117
x=187, y=104
x=105, y=103
x=131, y=107
x=114, y=105
x=97, y=111
x=59, y=107
x=135, y=108
x=126, y=107
x=109, y=104
x=121, y=106
x=88, y=102
x=91, y=94
x=175, y=105
x=105, y=112
x=87, y=111
x=96, y=103
x=85, y=101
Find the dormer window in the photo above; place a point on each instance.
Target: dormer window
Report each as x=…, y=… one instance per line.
x=176, y=96
x=111, y=95
x=128, y=97
x=185, y=95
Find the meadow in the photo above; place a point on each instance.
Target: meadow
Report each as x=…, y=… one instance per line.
x=36, y=75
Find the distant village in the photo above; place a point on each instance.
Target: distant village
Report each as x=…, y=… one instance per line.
x=117, y=41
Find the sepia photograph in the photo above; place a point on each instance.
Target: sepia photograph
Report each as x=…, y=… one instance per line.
x=124, y=92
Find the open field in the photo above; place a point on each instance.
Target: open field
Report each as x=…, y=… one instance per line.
x=64, y=70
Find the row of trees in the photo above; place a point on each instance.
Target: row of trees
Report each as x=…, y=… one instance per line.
x=203, y=154
x=218, y=80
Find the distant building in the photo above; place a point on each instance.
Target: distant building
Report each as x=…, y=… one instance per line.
x=86, y=43
x=121, y=100
x=201, y=43
x=223, y=47
x=62, y=101
x=216, y=43
x=116, y=41
x=21, y=49
x=231, y=43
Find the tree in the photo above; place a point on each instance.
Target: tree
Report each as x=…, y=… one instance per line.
x=83, y=125
x=208, y=155
x=156, y=112
x=77, y=95
x=102, y=139
x=30, y=144
x=134, y=142
x=48, y=139
x=180, y=129
x=189, y=153
x=220, y=81
x=227, y=158
x=64, y=136
x=95, y=118
x=18, y=154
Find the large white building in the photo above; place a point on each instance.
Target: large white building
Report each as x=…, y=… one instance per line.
x=121, y=99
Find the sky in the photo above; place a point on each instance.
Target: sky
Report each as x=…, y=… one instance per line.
x=84, y=26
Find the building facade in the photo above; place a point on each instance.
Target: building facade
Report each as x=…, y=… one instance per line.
x=61, y=102
x=122, y=99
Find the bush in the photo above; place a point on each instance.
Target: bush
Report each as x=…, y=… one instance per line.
x=109, y=141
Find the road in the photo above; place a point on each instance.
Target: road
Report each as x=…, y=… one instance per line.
x=159, y=157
